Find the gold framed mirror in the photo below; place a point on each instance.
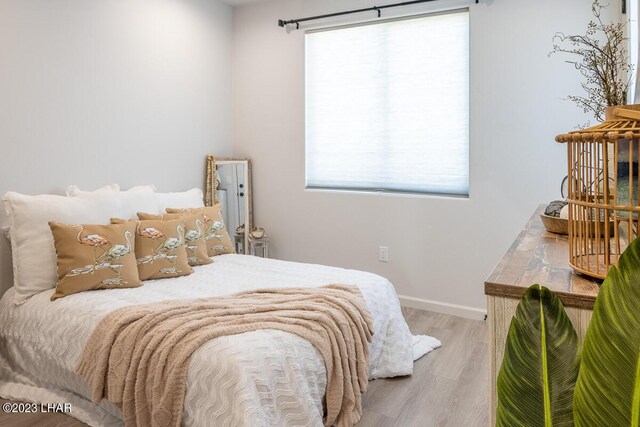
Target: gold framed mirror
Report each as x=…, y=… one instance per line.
x=228, y=182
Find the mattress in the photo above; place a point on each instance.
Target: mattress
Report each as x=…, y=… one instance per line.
x=261, y=378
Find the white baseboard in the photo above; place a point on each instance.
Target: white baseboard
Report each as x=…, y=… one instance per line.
x=443, y=307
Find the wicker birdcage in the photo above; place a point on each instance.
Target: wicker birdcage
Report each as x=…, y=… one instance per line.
x=603, y=191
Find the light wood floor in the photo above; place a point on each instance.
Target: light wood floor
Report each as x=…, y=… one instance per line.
x=448, y=388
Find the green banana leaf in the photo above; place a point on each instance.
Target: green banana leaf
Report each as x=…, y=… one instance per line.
x=540, y=365
x=608, y=388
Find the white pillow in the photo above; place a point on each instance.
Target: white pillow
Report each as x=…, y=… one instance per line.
x=139, y=201
x=74, y=190
x=34, y=255
x=186, y=199
x=144, y=187
x=143, y=199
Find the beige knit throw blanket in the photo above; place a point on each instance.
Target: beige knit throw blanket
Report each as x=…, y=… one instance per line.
x=138, y=356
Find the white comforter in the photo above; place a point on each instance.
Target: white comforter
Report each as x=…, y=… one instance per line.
x=262, y=378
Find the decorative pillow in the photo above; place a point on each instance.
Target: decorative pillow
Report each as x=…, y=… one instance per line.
x=74, y=190
x=94, y=257
x=194, y=237
x=160, y=248
x=131, y=202
x=216, y=234
x=186, y=199
x=34, y=255
x=144, y=187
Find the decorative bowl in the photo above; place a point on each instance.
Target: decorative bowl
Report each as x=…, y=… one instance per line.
x=561, y=226
x=257, y=233
x=554, y=224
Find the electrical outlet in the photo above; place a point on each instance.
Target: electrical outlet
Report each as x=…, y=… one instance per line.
x=383, y=254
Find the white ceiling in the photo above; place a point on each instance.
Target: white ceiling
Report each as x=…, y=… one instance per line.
x=241, y=2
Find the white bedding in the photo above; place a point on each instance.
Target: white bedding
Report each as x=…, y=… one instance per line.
x=262, y=378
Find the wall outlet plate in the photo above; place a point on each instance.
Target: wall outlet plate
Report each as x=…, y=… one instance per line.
x=383, y=253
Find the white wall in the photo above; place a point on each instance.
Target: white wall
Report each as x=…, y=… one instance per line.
x=138, y=91
x=100, y=91
x=440, y=249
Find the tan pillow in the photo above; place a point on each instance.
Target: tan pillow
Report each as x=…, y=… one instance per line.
x=160, y=248
x=194, y=237
x=94, y=257
x=216, y=234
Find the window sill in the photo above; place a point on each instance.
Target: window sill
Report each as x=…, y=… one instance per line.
x=389, y=193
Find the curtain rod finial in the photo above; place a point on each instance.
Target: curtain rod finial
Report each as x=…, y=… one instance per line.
x=280, y=23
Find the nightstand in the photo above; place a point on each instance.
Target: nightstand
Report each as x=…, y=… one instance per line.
x=259, y=247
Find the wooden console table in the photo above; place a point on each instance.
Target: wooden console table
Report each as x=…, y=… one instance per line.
x=536, y=257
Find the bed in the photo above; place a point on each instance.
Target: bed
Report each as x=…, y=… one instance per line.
x=259, y=378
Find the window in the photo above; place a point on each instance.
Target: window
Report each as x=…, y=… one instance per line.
x=387, y=106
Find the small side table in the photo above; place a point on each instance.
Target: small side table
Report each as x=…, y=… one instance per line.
x=259, y=247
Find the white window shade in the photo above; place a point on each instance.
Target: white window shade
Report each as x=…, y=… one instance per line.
x=387, y=106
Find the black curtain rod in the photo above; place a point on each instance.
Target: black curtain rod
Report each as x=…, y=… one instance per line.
x=297, y=21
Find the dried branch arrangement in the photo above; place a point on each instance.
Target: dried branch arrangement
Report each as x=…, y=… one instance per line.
x=603, y=60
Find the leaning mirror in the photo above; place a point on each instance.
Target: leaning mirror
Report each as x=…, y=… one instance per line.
x=228, y=182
